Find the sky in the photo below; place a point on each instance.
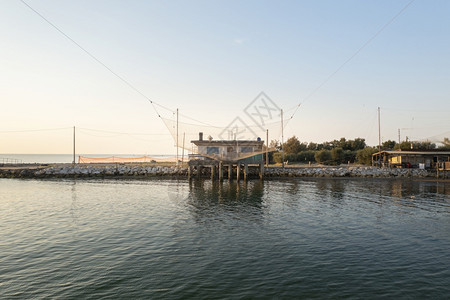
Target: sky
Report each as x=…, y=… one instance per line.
x=338, y=60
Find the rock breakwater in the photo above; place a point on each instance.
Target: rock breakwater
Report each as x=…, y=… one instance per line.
x=344, y=171
x=70, y=171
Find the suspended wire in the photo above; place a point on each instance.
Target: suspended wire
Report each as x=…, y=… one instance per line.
x=34, y=130
x=121, y=133
x=154, y=104
x=127, y=135
x=414, y=110
x=352, y=56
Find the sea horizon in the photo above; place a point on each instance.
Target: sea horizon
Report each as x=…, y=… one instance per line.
x=29, y=158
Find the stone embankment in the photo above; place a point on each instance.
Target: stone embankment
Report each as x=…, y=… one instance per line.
x=343, y=171
x=77, y=171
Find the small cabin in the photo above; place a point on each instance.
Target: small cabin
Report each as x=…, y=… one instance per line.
x=411, y=159
x=231, y=155
x=245, y=151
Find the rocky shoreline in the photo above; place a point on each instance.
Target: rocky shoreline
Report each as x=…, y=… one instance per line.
x=106, y=171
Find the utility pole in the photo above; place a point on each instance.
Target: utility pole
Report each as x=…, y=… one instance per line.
x=282, y=140
x=379, y=131
x=267, y=147
x=379, y=138
x=399, y=136
x=182, y=155
x=177, y=136
x=73, y=145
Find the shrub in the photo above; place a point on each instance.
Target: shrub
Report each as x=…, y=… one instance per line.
x=349, y=156
x=290, y=157
x=306, y=156
x=337, y=155
x=364, y=156
x=323, y=156
x=277, y=157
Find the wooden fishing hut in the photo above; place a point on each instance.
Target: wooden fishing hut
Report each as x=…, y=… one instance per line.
x=227, y=155
x=424, y=159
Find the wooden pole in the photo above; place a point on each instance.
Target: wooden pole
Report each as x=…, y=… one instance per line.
x=379, y=137
x=182, y=153
x=267, y=147
x=220, y=170
x=73, y=145
x=282, y=140
x=177, y=136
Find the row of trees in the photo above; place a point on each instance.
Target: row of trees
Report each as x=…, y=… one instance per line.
x=341, y=151
x=333, y=152
x=408, y=145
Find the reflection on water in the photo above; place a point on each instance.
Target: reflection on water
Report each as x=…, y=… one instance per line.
x=207, y=198
x=226, y=192
x=174, y=239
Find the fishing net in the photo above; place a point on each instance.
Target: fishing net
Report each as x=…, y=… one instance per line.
x=237, y=141
x=116, y=159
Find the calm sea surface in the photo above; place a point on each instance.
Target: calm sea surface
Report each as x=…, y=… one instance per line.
x=313, y=238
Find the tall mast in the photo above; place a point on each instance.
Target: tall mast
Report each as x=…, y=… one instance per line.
x=267, y=147
x=73, y=145
x=177, y=136
x=379, y=131
x=282, y=140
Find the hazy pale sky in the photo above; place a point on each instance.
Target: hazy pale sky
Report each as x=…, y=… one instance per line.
x=210, y=59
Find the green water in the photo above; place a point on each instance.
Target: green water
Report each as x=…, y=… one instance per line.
x=168, y=239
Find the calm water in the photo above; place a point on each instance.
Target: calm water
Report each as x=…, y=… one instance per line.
x=315, y=238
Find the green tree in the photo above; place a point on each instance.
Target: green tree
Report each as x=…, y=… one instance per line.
x=277, y=158
x=349, y=156
x=415, y=146
x=388, y=144
x=364, y=156
x=312, y=146
x=323, y=156
x=403, y=146
x=424, y=145
x=292, y=145
x=357, y=144
x=306, y=156
x=445, y=144
x=275, y=144
x=337, y=155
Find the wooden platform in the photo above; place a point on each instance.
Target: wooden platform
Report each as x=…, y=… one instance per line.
x=219, y=167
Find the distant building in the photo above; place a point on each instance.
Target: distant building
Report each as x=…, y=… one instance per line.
x=425, y=159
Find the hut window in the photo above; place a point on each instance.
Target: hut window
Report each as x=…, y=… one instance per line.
x=212, y=150
x=246, y=149
x=230, y=149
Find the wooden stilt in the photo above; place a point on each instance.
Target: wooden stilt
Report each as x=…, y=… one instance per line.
x=261, y=171
x=238, y=171
x=245, y=171
x=213, y=172
x=220, y=171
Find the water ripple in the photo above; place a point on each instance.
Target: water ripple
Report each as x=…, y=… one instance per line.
x=312, y=238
